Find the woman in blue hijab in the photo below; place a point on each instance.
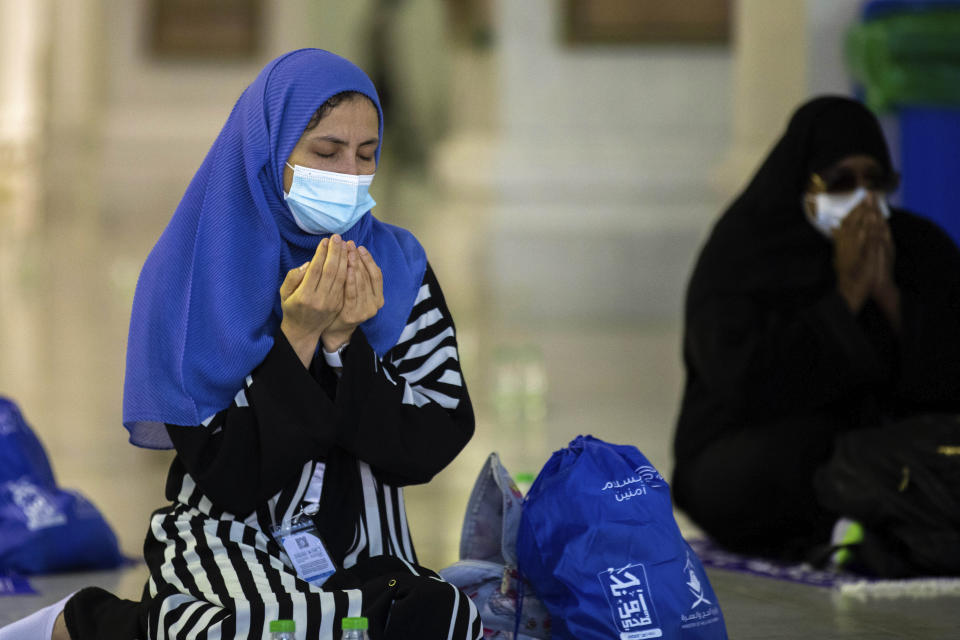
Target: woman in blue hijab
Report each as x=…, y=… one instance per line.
x=299, y=355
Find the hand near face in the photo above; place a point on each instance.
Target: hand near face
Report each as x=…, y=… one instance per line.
x=885, y=291
x=312, y=295
x=885, y=254
x=362, y=297
x=851, y=260
x=864, y=257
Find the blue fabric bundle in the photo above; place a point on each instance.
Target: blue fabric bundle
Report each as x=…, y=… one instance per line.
x=487, y=569
x=207, y=306
x=44, y=529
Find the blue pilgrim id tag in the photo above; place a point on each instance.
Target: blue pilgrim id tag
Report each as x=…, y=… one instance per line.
x=302, y=544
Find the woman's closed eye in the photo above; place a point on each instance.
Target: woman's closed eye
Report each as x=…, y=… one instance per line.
x=333, y=154
x=847, y=180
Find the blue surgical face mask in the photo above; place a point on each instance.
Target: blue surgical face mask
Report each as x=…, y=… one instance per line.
x=327, y=202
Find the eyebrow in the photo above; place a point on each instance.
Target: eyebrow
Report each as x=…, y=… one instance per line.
x=337, y=140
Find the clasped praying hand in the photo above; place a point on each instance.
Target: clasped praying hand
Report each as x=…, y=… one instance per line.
x=326, y=298
x=864, y=259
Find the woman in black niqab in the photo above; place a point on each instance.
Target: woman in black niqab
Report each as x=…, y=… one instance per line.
x=778, y=363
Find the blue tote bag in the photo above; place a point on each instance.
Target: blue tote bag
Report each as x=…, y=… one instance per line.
x=599, y=543
x=43, y=528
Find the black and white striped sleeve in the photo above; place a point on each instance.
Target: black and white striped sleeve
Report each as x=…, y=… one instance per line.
x=407, y=414
x=282, y=418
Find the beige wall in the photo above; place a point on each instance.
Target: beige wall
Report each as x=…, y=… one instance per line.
x=768, y=80
x=786, y=51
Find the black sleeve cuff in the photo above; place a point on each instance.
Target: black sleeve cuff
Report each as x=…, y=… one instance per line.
x=286, y=389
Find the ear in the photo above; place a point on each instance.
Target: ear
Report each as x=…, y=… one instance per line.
x=816, y=185
x=809, y=204
x=287, y=177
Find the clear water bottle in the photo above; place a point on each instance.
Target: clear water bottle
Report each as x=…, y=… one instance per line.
x=534, y=384
x=283, y=630
x=354, y=629
x=507, y=386
x=524, y=481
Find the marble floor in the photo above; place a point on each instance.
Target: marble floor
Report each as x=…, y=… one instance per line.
x=67, y=280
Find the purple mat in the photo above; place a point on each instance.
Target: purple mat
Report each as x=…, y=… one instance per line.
x=846, y=584
x=713, y=556
x=14, y=585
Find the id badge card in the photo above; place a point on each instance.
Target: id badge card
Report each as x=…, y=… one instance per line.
x=302, y=544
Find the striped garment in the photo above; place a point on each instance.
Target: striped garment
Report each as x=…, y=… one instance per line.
x=214, y=575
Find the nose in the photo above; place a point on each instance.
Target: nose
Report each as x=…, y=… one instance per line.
x=873, y=201
x=349, y=165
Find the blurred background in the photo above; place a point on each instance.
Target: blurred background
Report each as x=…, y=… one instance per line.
x=561, y=161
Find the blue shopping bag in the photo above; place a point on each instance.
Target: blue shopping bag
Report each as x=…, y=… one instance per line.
x=43, y=528
x=599, y=543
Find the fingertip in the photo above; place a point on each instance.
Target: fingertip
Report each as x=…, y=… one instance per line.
x=363, y=250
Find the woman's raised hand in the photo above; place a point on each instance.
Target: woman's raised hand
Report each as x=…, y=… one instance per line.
x=882, y=240
x=852, y=259
x=312, y=296
x=885, y=291
x=362, y=297
x=863, y=258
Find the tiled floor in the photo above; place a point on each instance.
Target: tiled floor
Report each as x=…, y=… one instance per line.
x=754, y=608
x=66, y=298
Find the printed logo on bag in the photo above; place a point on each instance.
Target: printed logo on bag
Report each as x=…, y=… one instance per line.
x=636, y=485
x=631, y=603
x=708, y=613
x=693, y=583
x=14, y=585
x=8, y=423
x=38, y=510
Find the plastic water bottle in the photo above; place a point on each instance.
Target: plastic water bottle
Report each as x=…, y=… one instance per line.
x=524, y=481
x=534, y=384
x=507, y=386
x=283, y=630
x=354, y=629
x=520, y=385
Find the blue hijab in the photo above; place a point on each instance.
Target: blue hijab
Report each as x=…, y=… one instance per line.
x=207, y=305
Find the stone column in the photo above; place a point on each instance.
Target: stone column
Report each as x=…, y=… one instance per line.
x=769, y=80
x=77, y=84
x=23, y=49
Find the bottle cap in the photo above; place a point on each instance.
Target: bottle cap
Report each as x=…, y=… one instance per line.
x=279, y=626
x=354, y=623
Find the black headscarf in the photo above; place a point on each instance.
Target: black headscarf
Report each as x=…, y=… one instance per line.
x=764, y=242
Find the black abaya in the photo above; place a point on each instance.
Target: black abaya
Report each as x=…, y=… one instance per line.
x=776, y=363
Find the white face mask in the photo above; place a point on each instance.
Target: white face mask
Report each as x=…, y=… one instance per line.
x=328, y=202
x=831, y=209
